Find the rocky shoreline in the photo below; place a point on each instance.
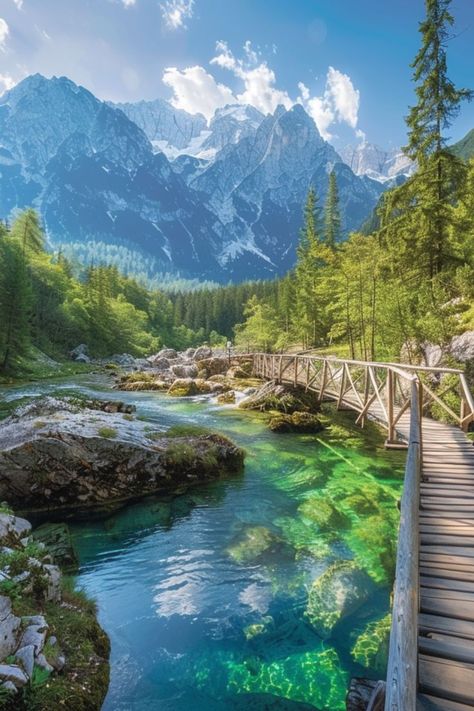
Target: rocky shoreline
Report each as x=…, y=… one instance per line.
x=47, y=629
x=70, y=455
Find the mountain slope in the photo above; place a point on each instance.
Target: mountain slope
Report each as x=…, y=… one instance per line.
x=465, y=147
x=229, y=207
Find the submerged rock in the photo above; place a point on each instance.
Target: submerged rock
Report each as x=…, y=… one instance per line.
x=80, y=458
x=370, y=649
x=255, y=541
x=337, y=593
x=281, y=398
x=303, y=422
x=227, y=398
x=58, y=540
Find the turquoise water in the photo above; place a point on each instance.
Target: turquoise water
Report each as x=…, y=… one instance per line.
x=204, y=596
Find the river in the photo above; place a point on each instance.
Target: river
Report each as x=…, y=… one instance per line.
x=204, y=596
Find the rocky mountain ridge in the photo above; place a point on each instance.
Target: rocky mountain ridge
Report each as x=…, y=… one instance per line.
x=228, y=205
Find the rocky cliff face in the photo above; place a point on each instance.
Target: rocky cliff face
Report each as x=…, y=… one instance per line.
x=224, y=203
x=377, y=163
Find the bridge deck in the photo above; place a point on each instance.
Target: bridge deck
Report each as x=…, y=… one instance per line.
x=444, y=524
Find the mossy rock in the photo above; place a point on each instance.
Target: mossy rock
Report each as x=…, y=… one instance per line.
x=373, y=540
x=58, y=540
x=227, y=398
x=303, y=537
x=322, y=511
x=370, y=649
x=303, y=422
x=258, y=628
x=254, y=543
x=335, y=595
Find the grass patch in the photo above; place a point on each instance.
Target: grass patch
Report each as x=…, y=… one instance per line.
x=187, y=431
x=83, y=683
x=129, y=418
x=107, y=432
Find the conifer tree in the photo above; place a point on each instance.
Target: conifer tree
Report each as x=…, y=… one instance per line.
x=27, y=231
x=332, y=213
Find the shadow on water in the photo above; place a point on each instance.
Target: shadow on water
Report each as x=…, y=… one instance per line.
x=205, y=596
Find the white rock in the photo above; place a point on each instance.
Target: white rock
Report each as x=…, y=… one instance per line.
x=13, y=673
x=34, y=635
x=53, y=593
x=43, y=663
x=11, y=525
x=26, y=657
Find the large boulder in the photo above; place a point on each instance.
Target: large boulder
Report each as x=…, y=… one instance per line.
x=96, y=459
x=462, y=347
x=158, y=362
x=255, y=542
x=214, y=365
x=182, y=370
x=202, y=353
x=169, y=353
x=335, y=595
x=303, y=422
x=13, y=528
x=58, y=540
x=9, y=626
x=81, y=350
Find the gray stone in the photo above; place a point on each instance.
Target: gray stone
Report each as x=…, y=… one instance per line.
x=184, y=371
x=26, y=657
x=38, y=620
x=9, y=628
x=13, y=527
x=53, y=592
x=462, y=347
x=34, y=635
x=13, y=673
x=9, y=686
x=202, y=353
x=82, y=358
x=80, y=350
x=167, y=353
x=43, y=663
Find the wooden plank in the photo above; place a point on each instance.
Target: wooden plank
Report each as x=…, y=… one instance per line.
x=453, y=573
x=447, y=679
x=454, y=595
x=447, y=608
x=437, y=623
x=434, y=703
x=457, y=557
x=446, y=648
x=450, y=540
x=449, y=584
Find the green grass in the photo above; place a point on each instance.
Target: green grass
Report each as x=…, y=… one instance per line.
x=83, y=683
x=107, y=432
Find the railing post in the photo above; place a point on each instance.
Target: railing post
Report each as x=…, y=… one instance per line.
x=390, y=405
x=279, y=368
x=322, y=386
x=295, y=380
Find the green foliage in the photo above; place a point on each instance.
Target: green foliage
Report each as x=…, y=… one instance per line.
x=107, y=432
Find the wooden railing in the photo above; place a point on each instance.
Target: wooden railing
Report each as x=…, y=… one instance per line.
x=380, y=391
x=397, y=396
x=402, y=668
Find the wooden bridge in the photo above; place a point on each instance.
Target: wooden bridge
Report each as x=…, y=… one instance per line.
x=431, y=657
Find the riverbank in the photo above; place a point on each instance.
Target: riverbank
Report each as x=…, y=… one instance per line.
x=186, y=584
x=52, y=648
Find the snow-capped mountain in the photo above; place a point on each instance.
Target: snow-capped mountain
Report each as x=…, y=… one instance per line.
x=224, y=203
x=377, y=163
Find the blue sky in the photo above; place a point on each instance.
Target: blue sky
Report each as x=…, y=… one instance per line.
x=347, y=61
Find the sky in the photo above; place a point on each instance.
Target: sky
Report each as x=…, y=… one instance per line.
x=346, y=61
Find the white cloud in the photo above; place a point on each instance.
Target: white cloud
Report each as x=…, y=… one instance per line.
x=196, y=91
x=259, y=80
x=343, y=96
x=339, y=103
x=18, y=3
x=4, y=32
x=6, y=82
x=176, y=12
x=128, y=3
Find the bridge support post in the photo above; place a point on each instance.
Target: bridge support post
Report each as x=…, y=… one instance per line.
x=391, y=439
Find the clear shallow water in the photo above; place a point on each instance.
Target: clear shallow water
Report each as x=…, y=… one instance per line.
x=196, y=618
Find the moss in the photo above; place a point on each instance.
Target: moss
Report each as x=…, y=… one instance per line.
x=371, y=646
x=129, y=418
x=188, y=431
x=373, y=541
x=107, y=432
x=83, y=683
x=322, y=511
x=255, y=541
x=297, y=422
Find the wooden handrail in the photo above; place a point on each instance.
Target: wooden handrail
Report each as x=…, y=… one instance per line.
x=402, y=670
